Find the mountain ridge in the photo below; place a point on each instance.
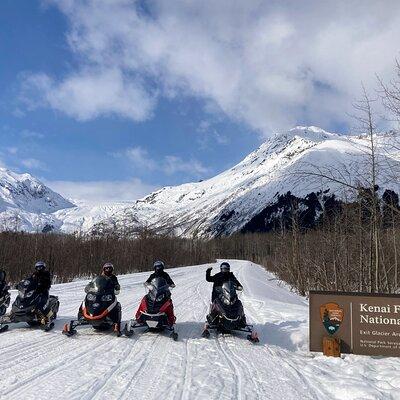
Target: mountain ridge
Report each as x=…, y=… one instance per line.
x=225, y=203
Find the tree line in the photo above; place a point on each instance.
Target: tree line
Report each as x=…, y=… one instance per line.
x=338, y=254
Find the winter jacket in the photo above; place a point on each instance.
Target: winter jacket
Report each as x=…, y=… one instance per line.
x=220, y=278
x=43, y=279
x=161, y=274
x=114, y=280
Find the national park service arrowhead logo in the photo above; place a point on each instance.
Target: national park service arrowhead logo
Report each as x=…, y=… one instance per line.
x=331, y=316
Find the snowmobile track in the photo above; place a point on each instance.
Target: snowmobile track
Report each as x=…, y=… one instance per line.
x=150, y=366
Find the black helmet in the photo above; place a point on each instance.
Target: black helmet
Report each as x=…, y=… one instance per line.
x=158, y=266
x=108, y=268
x=225, y=267
x=40, y=266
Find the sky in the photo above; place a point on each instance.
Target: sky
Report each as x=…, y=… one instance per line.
x=107, y=100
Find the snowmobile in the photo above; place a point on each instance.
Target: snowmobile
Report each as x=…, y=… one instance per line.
x=24, y=308
x=154, y=310
x=100, y=309
x=226, y=313
x=4, y=296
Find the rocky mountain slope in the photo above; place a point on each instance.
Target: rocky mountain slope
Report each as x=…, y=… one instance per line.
x=282, y=167
x=250, y=196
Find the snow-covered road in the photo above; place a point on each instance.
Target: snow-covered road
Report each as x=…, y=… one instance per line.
x=38, y=365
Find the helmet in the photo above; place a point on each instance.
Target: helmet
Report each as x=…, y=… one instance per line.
x=225, y=267
x=108, y=268
x=158, y=266
x=40, y=266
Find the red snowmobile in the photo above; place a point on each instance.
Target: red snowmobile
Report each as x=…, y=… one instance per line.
x=155, y=312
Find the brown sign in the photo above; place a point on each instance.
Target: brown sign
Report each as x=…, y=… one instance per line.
x=366, y=323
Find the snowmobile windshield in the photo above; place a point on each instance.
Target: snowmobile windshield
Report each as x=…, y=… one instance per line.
x=158, y=289
x=27, y=288
x=100, y=285
x=227, y=293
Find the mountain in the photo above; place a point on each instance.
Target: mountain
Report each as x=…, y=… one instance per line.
x=26, y=203
x=254, y=195
x=267, y=179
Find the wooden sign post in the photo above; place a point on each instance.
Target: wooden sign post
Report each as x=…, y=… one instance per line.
x=331, y=346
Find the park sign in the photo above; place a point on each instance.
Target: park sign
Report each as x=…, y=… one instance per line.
x=365, y=323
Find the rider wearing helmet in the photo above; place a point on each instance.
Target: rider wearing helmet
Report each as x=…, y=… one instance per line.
x=160, y=273
x=221, y=277
x=108, y=271
x=4, y=294
x=3, y=283
x=43, y=279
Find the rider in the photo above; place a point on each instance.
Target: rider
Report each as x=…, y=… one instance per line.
x=3, y=284
x=160, y=273
x=108, y=270
x=43, y=279
x=221, y=277
x=4, y=292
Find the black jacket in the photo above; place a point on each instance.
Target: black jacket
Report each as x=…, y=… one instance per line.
x=115, y=282
x=43, y=279
x=220, y=278
x=161, y=274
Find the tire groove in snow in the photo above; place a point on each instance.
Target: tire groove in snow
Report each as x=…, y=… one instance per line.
x=96, y=365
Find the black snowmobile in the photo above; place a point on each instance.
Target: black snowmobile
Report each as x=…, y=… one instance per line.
x=25, y=307
x=4, y=296
x=100, y=309
x=226, y=313
x=155, y=311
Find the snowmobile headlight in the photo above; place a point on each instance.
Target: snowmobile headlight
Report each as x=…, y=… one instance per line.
x=24, y=295
x=226, y=301
x=106, y=297
x=160, y=297
x=91, y=297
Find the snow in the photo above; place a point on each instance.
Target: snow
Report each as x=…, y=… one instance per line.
x=277, y=166
x=220, y=205
x=38, y=365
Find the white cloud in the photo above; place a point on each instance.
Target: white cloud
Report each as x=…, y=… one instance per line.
x=33, y=163
x=271, y=64
x=91, y=93
x=174, y=164
x=140, y=158
x=169, y=164
x=96, y=192
x=209, y=135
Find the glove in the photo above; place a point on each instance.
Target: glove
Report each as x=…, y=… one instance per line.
x=209, y=269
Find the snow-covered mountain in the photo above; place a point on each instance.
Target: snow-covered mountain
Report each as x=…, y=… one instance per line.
x=234, y=200
x=227, y=202
x=26, y=203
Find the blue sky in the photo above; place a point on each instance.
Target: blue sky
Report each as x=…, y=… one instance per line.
x=109, y=100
